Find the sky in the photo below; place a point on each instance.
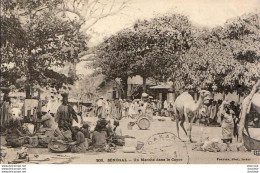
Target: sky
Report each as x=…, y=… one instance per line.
x=207, y=13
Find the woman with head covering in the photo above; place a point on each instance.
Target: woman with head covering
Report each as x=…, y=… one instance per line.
x=228, y=117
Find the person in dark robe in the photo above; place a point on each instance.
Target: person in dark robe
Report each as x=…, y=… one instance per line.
x=5, y=108
x=236, y=110
x=65, y=115
x=118, y=108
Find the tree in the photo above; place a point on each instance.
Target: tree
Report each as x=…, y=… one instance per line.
x=44, y=42
x=224, y=58
x=115, y=57
x=162, y=41
x=38, y=35
x=149, y=49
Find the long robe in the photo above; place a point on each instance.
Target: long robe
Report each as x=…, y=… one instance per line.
x=227, y=126
x=5, y=113
x=64, y=117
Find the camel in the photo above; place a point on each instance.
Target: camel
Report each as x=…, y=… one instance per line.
x=185, y=108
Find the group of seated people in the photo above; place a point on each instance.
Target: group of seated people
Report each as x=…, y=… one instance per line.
x=100, y=140
x=80, y=139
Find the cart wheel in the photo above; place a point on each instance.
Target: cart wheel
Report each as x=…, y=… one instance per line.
x=143, y=123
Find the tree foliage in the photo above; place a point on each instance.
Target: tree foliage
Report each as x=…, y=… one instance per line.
x=37, y=35
x=224, y=58
x=33, y=43
x=149, y=49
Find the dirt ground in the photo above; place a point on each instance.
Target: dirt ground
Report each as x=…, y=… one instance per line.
x=163, y=150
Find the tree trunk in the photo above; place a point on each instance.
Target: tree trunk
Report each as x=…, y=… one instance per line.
x=40, y=101
x=28, y=85
x=144, y=84
x=196, y=96
x=224, y=95
x=124, y=87
x=28, y=91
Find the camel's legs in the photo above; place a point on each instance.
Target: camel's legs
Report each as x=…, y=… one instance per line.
x=184, y=117
x=190, y=128
x=177, y=125
x=177, y=116
x=181, y=124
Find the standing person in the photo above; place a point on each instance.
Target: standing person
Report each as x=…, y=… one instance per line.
x=118, y=108
x=52, y=104
x=128, y=102
x=5, y=108
x=123, y=103
x=227, y=126
x=131, y=111
x=107, y=108
x=65, y=115
x=236, y=110
x=113, y=109
x=146, y=106
x=171, y=112
x=155, y=109
x=165, y=108
x=159, y=107
x=99, y=107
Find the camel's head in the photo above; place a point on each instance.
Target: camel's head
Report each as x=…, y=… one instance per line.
x=206, y=96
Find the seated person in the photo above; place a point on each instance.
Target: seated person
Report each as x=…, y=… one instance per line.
x=100, y=134
x=13, y=133
x=47, y=120
x=85, y=130
x=79, y=145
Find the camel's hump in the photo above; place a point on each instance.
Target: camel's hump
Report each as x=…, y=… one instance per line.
x=184, y=98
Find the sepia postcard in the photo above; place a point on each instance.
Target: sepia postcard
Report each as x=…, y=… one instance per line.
x=130, y=82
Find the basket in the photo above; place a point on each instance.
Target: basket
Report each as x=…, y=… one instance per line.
x=130, y=125
x=139, y=145
x=58, y=146
x=33, y=141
